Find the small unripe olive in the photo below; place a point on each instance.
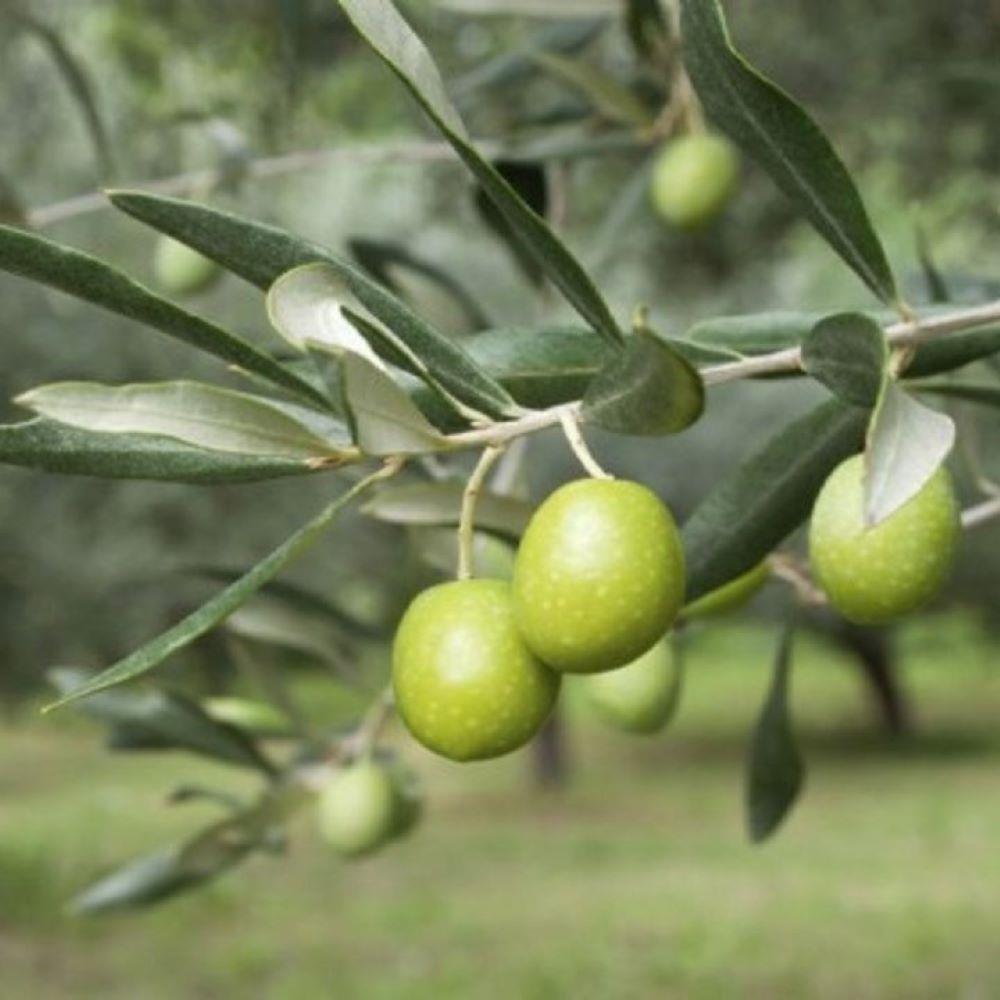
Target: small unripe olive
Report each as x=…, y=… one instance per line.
x=599, y=576
x=874, y=574
x=180, y=270
x=466, y=684
x=257, y=716
x=729, y=596
x=694, y=178
x=638, y=697
x=357, y=809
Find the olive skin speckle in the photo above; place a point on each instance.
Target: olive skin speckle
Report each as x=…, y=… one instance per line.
x=599, y=576
x=466, y=685
x=873, y=575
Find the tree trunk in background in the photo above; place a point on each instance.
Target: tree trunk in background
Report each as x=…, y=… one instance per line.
x=548, y=754
x=873, y=648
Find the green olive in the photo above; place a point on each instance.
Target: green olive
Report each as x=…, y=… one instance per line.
x=180, y=270
x=466, y=685
x=875, y=574
x=599, y=576
x=639, y=697
x=729, y=596
x=694, y=178
x=357, y=809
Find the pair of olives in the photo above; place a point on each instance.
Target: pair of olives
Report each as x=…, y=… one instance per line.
x=598, y=580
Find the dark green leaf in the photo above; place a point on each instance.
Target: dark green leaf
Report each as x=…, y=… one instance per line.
x=440, y=504
x=218, y=608
x=770, y=126
x=751, y=510
x=987, y=394
x=396, y=44
x=164, y=720
x=937, y=287
x=848, y=353
x=907, y=443
x=54, y=447
x=756, y=333
x=775, y=771
x=648, y=389
x=945, y=354
x=87, y=278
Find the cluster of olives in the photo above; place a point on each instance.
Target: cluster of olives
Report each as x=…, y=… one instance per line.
x=598, y=581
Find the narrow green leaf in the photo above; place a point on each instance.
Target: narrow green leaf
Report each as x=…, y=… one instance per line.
x=755, y=333
x=937, y=287
x=192, y=412
x=848, y=353
x=432, y=292
x=532, y=8
x=436, y=504
x=945, y=354
x=907, y=443
x=164, y=720
x=92, y=280
x=775, y=771
x=384, y=418
x=396, y=44
x=755, y=507
x=986, y=394
x=315, y=302
x=55, y=447
x=218, y=608
x=768, y=125
x=648, y=389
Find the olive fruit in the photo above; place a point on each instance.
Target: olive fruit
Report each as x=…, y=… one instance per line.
x=874, y=574
x=694, y=178
x=466, y=685
x=357, y=809
x=638, y=697
x=599, y=576
x=180, y=270
x=729, y=596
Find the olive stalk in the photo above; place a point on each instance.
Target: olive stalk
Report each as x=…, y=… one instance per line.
x=571, y=428
x=467, y=518
x=981, y=513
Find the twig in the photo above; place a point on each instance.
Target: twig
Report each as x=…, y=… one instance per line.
x=467, y=518
x=787, y=568
x=571, y=428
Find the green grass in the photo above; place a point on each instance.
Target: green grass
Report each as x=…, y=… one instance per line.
x=635, y=882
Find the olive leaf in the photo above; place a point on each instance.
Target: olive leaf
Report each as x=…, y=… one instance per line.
x=907, y=443
x=983, y=393
x=55, y=447
x=775, y=771
x=91, y=280
x=191, y=412
x=768, y=125
x=219, y=607
x=647, y=389
x=758, y=504
x=404, y=53
x=848, y=353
